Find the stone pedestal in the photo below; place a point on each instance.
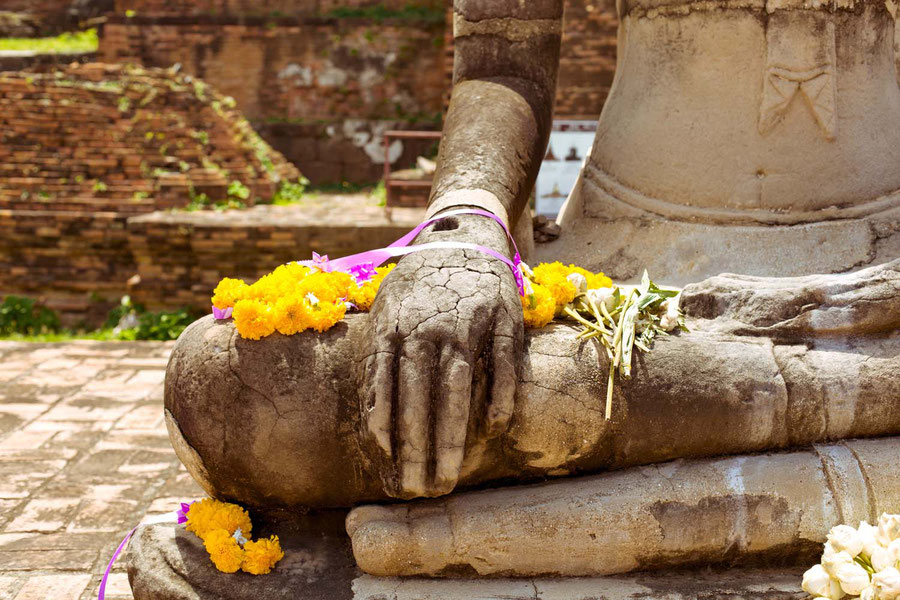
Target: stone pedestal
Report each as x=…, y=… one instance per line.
x=168, y=563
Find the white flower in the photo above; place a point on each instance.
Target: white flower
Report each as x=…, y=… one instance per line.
x=870, y=593
x=238, y=535
x=853, y=578
x=579, y=281
x=832, y=559
x=888, y=529
x=847, y=539
x=882, y=558
x=669, y=320
x=817, y=582
x=888, y=584
x=600, y=296
x=868, y=534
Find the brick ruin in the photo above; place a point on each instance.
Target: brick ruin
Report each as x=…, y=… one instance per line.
x=93, y=156
x=319, y=85
x=322, y=83
x=83, y=149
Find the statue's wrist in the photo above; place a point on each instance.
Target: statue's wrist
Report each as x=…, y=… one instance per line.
x=469, y=198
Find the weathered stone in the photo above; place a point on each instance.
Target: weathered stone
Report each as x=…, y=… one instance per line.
x=275, y=422
x=783, y=158
x=166, y=563
x=773, y=509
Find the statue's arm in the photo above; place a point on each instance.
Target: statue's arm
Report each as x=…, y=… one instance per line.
x=447, y=332
x=498, y=123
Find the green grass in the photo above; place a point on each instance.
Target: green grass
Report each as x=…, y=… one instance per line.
x=65, y=43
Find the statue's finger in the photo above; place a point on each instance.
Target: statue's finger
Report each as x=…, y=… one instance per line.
x=414, y=416
x=451, y=419
x=502, y=398
x=379, y=396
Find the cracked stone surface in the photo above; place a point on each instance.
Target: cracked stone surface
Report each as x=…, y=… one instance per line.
x=244, y=414
x=84, y=456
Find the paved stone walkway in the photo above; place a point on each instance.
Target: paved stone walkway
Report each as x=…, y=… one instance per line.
x=84, y=455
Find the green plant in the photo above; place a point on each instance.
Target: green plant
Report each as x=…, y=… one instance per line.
x=100, y=187
x=238, y=190
x=65, y=43
x=24, y=316
x=164, y=325
x=379, y=193
x=130, y=321
x=290, y=192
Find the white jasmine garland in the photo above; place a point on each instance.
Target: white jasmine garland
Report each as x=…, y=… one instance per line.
x=861, y=562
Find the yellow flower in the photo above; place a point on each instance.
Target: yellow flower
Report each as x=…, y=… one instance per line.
x=260, y=556
x=224, y=551
x=327, y=287
x=210, y=514
x=538, y=307
x=362, y=296
x=553, y=277
x=199, y=516
x=291, y=314
x=324, y=315
x=253, y=319
x=231, y=517
x=291, y=272
x=228, y=292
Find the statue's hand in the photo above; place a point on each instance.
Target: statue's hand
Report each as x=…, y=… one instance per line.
x=842, y=305
x=448, y=335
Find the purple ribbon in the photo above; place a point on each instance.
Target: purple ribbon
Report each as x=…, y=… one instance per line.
x=362, y=266
x=178, y=516
x=222, y=314
x=367, y=261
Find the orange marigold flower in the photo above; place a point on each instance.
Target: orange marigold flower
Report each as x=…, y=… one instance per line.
x=228, y=292
x=291, y=314
x=538, y=307
x=324, y=315
x=253, y=319
x=260, y=556
x=224, y=551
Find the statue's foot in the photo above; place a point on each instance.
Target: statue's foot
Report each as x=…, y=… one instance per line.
x=849, y=304
x=747, y=510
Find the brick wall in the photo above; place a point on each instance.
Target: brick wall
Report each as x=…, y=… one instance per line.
x=53, y=16
x=84, y=148
x=320, y=90
x=588, y=58
x=251, y=8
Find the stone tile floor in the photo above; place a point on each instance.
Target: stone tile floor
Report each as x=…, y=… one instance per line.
x=84, y=456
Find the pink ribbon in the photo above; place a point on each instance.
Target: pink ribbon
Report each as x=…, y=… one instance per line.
x=402, y=247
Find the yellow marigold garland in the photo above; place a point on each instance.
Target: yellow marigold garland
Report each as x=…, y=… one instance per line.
x=225, y=530
x=294, y=298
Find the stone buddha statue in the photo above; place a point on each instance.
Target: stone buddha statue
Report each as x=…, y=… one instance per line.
x=754, y=137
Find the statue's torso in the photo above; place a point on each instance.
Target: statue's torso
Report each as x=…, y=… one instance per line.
x=743, y=113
